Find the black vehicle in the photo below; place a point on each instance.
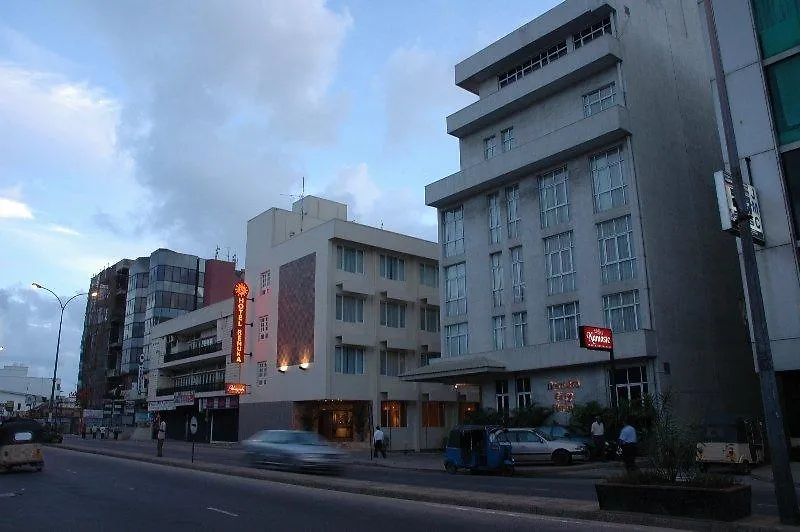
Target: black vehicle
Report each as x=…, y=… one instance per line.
x=21, y=444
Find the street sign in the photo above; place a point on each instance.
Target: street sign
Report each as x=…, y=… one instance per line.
x=193, y=425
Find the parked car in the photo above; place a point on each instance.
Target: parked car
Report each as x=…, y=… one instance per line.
x=529, y=447
x=560, y=432
x=294, y=450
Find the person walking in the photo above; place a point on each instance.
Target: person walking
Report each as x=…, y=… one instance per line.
x=83, y=430
x=162, y=435
x=598, y=431
x=377, y=442
x=627, y=440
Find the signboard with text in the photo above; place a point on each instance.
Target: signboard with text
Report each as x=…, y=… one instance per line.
x=596, y=338
x=240, y=292
x=235, y=388
x=729, y=211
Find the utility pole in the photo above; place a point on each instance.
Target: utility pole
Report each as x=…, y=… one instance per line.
x=781, y=472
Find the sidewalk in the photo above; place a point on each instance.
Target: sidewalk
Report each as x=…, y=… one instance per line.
x=764, y=473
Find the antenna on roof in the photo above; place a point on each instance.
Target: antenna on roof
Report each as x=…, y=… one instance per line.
x=301, y=197
x=216, y=253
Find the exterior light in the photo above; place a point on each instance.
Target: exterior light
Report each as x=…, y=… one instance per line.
x=304, y=366
x=36, y=285
x=94, y=294
x=283, y=368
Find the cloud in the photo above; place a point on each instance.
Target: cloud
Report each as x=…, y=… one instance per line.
x=62, y=230
x=14, y=209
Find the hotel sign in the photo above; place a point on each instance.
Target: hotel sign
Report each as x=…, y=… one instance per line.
x=240, y=292
x=596, y=338
x=729, y=211
x=235, y=388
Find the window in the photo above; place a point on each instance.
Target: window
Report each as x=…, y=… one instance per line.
x=496, y=260
x=501, y=395
x=507, y=138
x=631, y=383
x=512, y=212
x=535, y=63
x=433, y=414
x=590, y=33
x=349, y=309
x=520, y=323
x=559, y=266
x=610, y=188
x=791, y=172
x=429, y=319
x=349, y=359
x=517, y=274
x=393, y=363
x=524, y=396
x=489, y=145
x=783, y=79
x=777, y=24
x=493, y=201
x=261, y=377
x=621, y=311
x=617, y=256
x=554, y=197
x=499, y=332
x=453, y=231
x=349, y=259
x=456, y=339
x=393, y=414
x=456, y=289
x=393, y=314
x=393, y=268
x=599, y=100
x=425, y=358
x=429, y=274
x=263, y=282
x=563, y=321
x=263, y=327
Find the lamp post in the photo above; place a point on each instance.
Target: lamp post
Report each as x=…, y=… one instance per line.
x=63, y=305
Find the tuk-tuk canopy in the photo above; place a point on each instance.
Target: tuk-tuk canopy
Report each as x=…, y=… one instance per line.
x=18, y=430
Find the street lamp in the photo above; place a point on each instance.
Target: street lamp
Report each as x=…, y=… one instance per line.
x=63, y=306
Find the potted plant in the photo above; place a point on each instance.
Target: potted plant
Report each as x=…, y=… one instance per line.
x=673, y=485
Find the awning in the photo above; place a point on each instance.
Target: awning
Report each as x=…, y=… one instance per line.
x=455, y=370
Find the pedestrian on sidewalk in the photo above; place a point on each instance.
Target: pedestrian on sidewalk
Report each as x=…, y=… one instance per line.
x=162, y=435
x=94, y=432
x=627, y=440
x=83, y=431
x=598, y=431
x=377, y=442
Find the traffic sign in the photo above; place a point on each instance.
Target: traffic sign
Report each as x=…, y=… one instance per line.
x=193, y=425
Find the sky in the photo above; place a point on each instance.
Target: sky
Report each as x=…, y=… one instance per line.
x=131, y=125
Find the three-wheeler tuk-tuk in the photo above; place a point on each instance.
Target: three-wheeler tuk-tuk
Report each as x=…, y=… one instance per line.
x=21, y=444
x=478, y=448
x=737, y=443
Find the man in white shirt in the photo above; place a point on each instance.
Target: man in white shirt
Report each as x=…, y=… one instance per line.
x=377, y=441
x=598, y=431
x=162, y=435
x=627, y=439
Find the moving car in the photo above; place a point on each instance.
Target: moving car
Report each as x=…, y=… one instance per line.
x=21, y=444
x=529, y=447
x=294, y=450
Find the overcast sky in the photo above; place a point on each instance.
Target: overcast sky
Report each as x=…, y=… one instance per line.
x=131, y=125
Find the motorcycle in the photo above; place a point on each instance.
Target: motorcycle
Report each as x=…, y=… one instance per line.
x=612, y=450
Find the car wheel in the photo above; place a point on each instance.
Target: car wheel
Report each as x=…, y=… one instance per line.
x=562, y=458
x=451, y=468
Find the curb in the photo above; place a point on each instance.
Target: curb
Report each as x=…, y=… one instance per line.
x=520, y=471
x=543, y=506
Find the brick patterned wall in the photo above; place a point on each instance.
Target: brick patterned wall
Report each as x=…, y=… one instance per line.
x=296, y=299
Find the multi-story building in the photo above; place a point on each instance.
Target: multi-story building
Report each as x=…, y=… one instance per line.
x=101, y=342
x=760, y=50
x=340, y=310
x=585, y=197
x=20, y=392
x=190, y=362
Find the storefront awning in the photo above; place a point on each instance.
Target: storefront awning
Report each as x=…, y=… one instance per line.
x=455, y=370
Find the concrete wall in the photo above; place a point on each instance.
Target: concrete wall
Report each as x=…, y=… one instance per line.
x=264, y=416
x=219, y=280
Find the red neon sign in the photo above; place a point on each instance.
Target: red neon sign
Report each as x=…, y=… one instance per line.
x=240, y=292
x=235, y=388
x=596, y=338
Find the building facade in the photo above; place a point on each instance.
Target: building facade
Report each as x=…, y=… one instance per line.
x=760, y=50
x=584, y=198
x=21, y=393
x=101, y=342
x=190, y=363
x=339, y=311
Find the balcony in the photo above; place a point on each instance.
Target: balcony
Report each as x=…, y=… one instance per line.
x=557, y=146
x=196, y=388
x=193, y=352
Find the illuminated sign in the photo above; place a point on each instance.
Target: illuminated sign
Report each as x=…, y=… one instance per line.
x=596, y=338
x=235, y=388
x=563, y=398
x=240, y=291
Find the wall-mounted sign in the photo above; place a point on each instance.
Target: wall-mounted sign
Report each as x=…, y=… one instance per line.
x=235, y=388
x=240, y=292
x=563, y=396
x=729, y=211
x=183, y=398
x=569, y=384
x=596, y=338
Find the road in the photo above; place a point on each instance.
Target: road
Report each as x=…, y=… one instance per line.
x=539, y=485
x=86, y=492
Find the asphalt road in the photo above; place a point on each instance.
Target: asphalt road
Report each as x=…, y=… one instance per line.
x=540, y=485
x=85, y=492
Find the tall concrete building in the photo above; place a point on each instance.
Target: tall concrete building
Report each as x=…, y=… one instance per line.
x=340, y=310
x=584, y=197
x=760, y=51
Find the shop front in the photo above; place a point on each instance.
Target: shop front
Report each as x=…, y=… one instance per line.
x=221, y=415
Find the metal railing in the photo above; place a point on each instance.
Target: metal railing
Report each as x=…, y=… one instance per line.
x=197, y=388
x=193, y=352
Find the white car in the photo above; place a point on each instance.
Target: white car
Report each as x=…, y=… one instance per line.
x=528, y=447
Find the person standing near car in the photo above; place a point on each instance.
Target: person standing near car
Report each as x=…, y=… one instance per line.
x=598, y=431
x=377, y=441
x=162, y=435
x=627, y=440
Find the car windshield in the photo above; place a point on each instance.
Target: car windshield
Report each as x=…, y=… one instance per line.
x=304, y=438
x=545, y=435
x=288, y=437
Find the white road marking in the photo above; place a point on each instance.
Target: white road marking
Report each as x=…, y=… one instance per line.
x=222, y=511
x=9, y=494
x=71, y=471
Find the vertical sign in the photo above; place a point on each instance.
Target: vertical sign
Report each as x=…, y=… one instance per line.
x=240, y=292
